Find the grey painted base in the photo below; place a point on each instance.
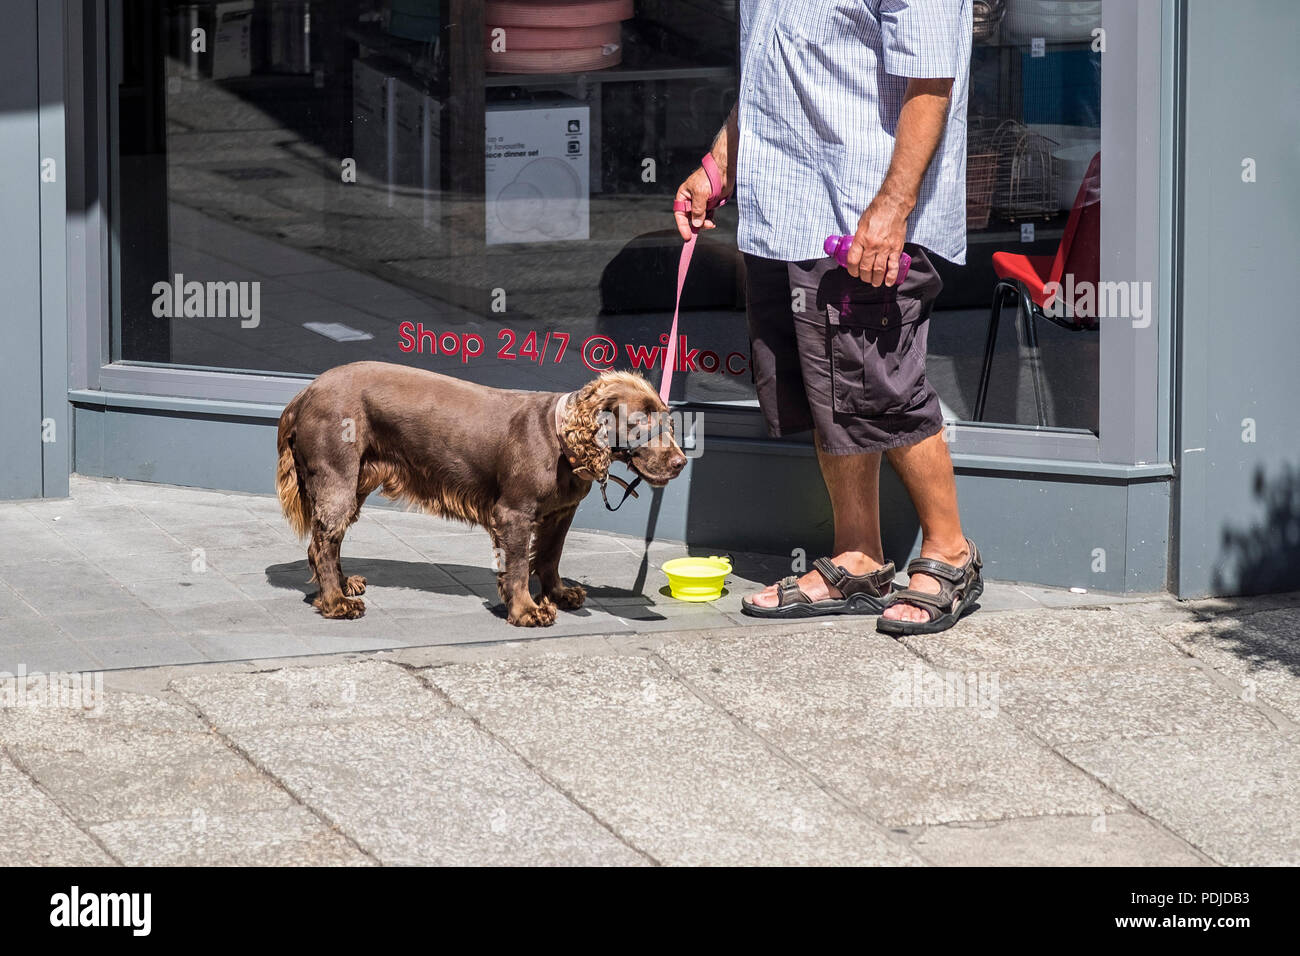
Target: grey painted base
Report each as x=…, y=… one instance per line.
x=1102, y=534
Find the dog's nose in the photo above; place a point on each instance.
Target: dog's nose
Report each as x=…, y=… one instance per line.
x=677, y=463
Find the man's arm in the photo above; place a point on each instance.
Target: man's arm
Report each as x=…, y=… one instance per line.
x=873, y=257
x=697, y=186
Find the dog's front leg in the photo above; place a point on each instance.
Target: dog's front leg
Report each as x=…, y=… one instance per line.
x=513, y=531
x=546, y=560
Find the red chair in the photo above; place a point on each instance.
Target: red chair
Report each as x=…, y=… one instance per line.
x=1027, y=279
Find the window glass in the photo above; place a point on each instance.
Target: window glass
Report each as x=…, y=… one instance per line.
x=302, y=184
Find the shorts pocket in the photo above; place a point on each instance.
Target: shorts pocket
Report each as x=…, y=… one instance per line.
x=875, y=369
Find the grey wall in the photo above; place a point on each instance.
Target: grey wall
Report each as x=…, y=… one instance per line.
x=33, y=276
x=20, y=273
x=1238, y=506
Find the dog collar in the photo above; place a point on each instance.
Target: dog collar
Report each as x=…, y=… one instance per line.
x=561, y=413
x=561, y=410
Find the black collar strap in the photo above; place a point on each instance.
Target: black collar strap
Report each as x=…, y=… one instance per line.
x=561, y=411
x=627, y=490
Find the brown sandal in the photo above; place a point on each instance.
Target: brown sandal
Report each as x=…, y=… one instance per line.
x=959, y=587
x=859, y=593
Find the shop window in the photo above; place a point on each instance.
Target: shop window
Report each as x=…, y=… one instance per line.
x=302, y=184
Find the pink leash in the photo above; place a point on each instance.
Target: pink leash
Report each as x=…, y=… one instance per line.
x=684, y=264
x=837, y=247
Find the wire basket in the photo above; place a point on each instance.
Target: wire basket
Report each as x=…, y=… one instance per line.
x=981, y=170
x=981, y=175
x=1025, y=184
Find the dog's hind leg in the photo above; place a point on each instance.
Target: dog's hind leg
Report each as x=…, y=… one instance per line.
x=353, y=585
x=333, y=509
x=546, y=561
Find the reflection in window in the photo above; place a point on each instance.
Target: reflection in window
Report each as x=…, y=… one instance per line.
x=302, y=184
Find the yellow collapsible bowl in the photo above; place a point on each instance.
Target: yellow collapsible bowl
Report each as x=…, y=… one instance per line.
x=696, y=579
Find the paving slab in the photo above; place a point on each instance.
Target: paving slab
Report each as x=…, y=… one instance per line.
x=34, y=830
x=672, y=774
x=146, y=651
x=1090, y=674
x=65, y=587
x=89, y=627
x=1082, y=704
x=147, y=759
x=854, y=708
x=400, y=771
x=29, y=631
x=1234, y=796
x=136, y=541
x=1113, y=839
x=48, y=656
x=1031, y=640
x=291, y=836
x=1260, y=652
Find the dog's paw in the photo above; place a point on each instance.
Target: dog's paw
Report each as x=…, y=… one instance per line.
x=569, y=598
x=354, y=585
x=341, y=607
x=540, y=615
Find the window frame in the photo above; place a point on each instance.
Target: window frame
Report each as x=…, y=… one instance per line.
x=1141, y=89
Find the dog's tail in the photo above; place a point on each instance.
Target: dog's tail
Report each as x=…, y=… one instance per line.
x=297, y=510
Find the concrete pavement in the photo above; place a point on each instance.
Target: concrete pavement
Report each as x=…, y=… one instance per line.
x=1026, y=738
x=126, y=574
x=238, y=728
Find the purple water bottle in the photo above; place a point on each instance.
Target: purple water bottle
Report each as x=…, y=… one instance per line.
x=837, y=247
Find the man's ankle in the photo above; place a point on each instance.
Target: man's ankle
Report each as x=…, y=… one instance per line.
x=858, y=562
x=954, y=553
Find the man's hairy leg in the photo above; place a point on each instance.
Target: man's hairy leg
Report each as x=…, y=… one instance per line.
x=853, y=483
x=926, y=471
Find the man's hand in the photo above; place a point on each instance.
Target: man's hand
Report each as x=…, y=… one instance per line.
x=696, y=190
x=873, y=256
x=877, y=244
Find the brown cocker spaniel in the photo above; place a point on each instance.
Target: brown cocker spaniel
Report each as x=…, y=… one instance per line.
x=517, y=463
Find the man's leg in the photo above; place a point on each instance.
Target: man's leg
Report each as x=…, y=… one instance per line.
x=926, y=471
x=853, y=483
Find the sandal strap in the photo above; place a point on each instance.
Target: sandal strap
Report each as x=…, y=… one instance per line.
x=935, y=603
x=832, y=572
x=875, y=583
x=789, y=592
x=954, y=582
x=936, y=569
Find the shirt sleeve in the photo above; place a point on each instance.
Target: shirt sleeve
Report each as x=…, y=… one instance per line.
x=923, y=38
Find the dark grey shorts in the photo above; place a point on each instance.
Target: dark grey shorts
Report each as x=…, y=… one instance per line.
x=832, y=353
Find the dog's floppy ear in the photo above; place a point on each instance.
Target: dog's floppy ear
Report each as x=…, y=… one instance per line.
x=586, y=434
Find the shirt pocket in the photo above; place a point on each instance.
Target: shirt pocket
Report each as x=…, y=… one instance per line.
x=871, y=344
x=817, y=22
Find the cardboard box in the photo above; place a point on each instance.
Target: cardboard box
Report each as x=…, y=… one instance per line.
x=227, y=32
x=417, y=147
x=538, y=166
x=397, y=138
x=289, y=39
x=230, y=38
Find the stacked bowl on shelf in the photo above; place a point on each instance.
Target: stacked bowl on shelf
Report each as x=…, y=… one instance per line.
x=554, y=36
x=1056, y=21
